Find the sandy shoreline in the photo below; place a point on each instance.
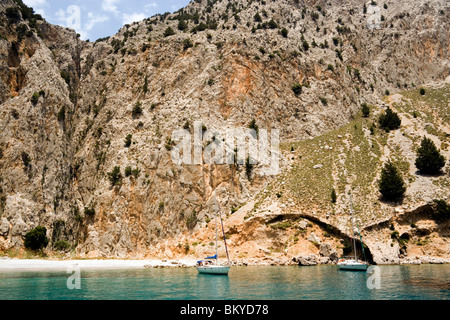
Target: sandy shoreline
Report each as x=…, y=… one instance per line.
x=44, y=265
x=16, y=264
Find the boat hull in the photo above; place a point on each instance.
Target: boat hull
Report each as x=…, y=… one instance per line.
x=353, y=266
x=216, y=270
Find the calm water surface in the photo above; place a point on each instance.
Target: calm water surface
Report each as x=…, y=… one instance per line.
x=244, y=283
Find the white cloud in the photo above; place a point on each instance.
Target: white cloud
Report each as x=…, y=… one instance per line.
x=149, y=7
x=72, y=18
x=110, y=6
x=134, y=17
x=93, y=19
x=35, y=3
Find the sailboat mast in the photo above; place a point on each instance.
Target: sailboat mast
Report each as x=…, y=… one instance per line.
x=223, y=231
x=353, y=227
x=215, y=226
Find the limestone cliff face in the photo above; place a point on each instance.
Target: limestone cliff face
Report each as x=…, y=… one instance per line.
x=226, y=63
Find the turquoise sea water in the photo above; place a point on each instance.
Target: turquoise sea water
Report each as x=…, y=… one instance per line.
x=422, y=282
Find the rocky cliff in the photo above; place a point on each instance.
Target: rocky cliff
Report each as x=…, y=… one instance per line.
x=71, y=111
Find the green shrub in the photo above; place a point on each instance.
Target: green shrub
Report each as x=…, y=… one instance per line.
x=35, y=98
x=12, y=14
x=89, y=211
x=27, y=12
x=182, y=25
x=305, y=45
x=36, y=239
x=391, y=184
x=187, y=43
x=297, y=88
x=136, y=173
x=333, y=196
x=365, y=110
x=284, y=32
x=192, y=221
x=422, y=91
x=61, y=245
x=357, y=74
x=271, y=24
x=429, y=160
x=390, y=120
x=284, y=225
x=137, y=110
x=62, y=114
x=115, y=177
x=128, y=171
x=66, y=76
x=169, y=144
x=324, y=101
x=26, y=159
x=169, y=32
x=128, y=140
x=253, y=126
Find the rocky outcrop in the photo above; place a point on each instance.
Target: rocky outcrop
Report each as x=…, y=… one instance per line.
x=327, y=251
x=309, y=260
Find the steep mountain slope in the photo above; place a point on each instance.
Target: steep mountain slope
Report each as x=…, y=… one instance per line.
x=223, y=63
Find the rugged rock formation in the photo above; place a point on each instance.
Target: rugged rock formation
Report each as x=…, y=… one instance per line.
x=304, y=67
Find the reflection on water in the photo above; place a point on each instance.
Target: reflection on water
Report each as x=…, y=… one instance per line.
x=244, y=283
x=430, y=283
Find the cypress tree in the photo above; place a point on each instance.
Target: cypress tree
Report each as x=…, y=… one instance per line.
x=391, y=184
x=429, y=160
x=333, y=196
x=390, y=120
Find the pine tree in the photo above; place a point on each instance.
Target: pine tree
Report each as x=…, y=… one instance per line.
x=365, y=110
x=429, y=160
x=390, y=120
x=391, y=184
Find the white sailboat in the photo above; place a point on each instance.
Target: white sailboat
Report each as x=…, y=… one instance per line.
x=353, y=264
x=211, y=265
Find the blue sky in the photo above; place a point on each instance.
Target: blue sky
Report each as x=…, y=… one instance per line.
x=94, y=19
